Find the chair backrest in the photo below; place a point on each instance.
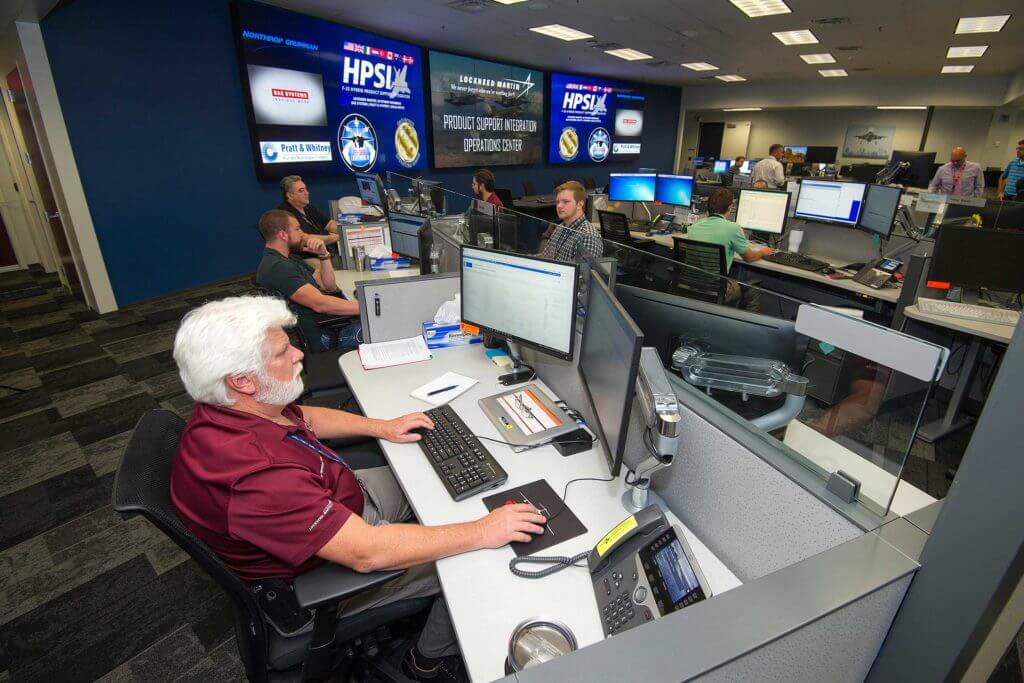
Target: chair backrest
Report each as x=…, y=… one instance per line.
x=706, y=256
x=142, y=486
x=505, y=196
x=614, y=225
x=528, y=189
x=589, y=183
x=1019, y=189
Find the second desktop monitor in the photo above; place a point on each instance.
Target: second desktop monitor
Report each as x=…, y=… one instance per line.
x=762, y=210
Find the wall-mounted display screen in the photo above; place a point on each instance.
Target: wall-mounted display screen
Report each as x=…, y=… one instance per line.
x=593, y=119
x=485, y=113
x=794, y=154
x=326, y=99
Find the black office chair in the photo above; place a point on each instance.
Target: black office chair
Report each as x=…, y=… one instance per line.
x=437, y=198
x=706, y=256
x=505, y=196
x=528, y=188
x=1019, y=194
x=704, y=273
x=590, y=183
x=615, y=227
x=142, y=486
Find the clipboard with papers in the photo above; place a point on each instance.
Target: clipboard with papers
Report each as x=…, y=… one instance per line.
x=526, y=416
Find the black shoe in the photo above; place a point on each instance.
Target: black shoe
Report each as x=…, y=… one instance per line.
x=444, y=670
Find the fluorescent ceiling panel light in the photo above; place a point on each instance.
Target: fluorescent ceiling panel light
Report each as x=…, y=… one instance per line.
x=962, y=52
x=743, y=109
x=833, y=73
x=731, y=78
x=902, y=106
x=958, y=69
x=628, y=54
x=761, y=8
x=982, y=24
x=822, y=58
x=561, y=32
x=700, y=66
x=801, y=37
x=509, y=2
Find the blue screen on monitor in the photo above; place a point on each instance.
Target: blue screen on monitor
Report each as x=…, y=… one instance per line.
x=674, y=189
x=631, y=187
x=721, y=166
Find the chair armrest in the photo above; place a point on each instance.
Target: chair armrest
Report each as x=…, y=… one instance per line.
x=331, y=582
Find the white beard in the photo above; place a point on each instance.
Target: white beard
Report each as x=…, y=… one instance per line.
x=277, y=393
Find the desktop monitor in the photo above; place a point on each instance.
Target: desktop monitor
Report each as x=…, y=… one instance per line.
x=405, y=233
x=970, y=257
x=920, y=172
x=762, y=210
x=747, y=166
x=371, y=189
x=721, y=166
x=821, y=155
x=1011, y=215
x=609, y=361
x=794, y=154
x=631, y=187
x=880, y=205
x=524, y=299
x=674, y=189
x=829, y=201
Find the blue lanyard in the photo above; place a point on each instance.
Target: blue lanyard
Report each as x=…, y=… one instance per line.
x=318, y=449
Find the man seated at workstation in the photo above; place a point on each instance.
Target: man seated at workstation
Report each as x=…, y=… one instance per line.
x=483, y=187
x=770, y=169
x=574, y=238
x=313, y=222
x=730, y=175
x=958, y=176
x=718, y=229
x=284, y=270
x=1014, y=173
x=255, y=482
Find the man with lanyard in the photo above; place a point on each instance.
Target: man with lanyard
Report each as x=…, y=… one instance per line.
x=254, y=480
x=958, y=176
x=575, y=237
x=1012, y=176
x=295, y=200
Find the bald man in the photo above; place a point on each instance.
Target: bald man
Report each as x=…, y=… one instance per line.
x=958, y=176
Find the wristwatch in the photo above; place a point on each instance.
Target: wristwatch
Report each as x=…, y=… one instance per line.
x=324, y=258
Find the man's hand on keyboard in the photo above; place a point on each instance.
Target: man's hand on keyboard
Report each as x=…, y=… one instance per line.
x=510, y=523
x=403, y=429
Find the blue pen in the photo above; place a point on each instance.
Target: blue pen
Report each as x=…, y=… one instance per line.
x=441, y=391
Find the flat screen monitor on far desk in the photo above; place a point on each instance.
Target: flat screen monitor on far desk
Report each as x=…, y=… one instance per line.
x=721, y=166
x=762, y=210
x=631, y=187
x=830, y=201
x=405, y=233
x=371, y=189
x=975, y=258
x=674, y=189
x=880, y=205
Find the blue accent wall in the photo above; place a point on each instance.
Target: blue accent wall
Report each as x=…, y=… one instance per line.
x=152, y=100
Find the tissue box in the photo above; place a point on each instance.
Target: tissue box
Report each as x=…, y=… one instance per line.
x=443, y=335
x=389, y=263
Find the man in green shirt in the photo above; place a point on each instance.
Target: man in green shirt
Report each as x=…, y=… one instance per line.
x=718, y=229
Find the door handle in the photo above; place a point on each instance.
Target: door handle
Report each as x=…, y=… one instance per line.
x=55, y=214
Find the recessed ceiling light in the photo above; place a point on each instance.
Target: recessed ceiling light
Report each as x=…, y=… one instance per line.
x=761, y=8
x=801, y=37
x=821, y=58
x=833, y=73
x=903, y=106
x=700, y=66
x=743, y=109
x=561, y=32
x=628, y=54
x=982, y=24
x=509, y=2
x=958, y=69
x=961, y=52
x=730, y=78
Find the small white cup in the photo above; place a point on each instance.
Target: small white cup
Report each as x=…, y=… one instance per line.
x=795, y=238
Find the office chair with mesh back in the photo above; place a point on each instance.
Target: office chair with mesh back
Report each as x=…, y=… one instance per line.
x=142, y=486
x=528, y=188
x=706, y=276
x=615, y=227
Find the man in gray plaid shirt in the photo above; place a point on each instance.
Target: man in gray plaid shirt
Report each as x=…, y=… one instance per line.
x=575, y=237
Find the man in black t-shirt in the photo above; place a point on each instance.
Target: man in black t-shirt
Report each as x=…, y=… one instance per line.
x=283, y=271
x=312, y=221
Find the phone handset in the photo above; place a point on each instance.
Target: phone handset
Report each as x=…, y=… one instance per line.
x=642, y=524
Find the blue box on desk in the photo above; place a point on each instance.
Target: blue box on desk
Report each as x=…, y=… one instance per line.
x=443, y=335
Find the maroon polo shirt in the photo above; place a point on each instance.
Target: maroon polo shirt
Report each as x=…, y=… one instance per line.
x=262, y=501
x=496, y=200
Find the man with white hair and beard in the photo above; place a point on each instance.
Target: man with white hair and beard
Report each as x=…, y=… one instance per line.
x=255, y=482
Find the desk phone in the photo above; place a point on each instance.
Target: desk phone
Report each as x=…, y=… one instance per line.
x=644, y=569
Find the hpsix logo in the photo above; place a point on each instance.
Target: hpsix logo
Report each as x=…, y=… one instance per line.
x=360, y=72
x=595, y=104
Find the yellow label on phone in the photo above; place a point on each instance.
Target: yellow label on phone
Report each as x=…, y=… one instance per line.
x=613, y=536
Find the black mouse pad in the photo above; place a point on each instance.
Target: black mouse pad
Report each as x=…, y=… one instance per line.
x=562, y=523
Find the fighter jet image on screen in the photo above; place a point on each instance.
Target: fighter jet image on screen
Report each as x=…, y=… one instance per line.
x=870, y=136
x=868, y=142
x=400, y=87
x=462, y=99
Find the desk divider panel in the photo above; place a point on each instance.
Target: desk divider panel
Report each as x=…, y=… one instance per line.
x=397, y=308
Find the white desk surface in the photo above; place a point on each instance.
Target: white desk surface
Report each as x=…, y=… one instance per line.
x=347, y=279
x=485, y=600
x=997, y=333
x=875, y=483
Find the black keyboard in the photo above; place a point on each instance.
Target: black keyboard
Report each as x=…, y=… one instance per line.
x=788, y=258
x=466, y=468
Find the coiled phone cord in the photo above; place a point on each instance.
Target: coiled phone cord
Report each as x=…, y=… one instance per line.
x=558, y=564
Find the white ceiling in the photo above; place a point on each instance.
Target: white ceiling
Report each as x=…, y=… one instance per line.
x=898, y=38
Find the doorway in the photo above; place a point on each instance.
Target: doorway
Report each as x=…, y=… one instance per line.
x=709, y=141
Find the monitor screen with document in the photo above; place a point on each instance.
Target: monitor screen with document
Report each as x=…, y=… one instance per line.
x=524, y=299
x=880, y=205
x=762, y=210
x=830, y=201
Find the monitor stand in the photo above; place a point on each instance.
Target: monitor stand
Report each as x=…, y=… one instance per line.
x=520, y=371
